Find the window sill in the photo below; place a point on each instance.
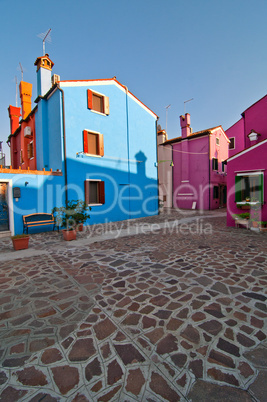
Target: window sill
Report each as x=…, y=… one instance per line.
x=95, y=205
x=93, y=155
x=101, y=114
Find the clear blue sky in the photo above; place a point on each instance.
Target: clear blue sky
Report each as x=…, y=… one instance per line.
x=165, y=51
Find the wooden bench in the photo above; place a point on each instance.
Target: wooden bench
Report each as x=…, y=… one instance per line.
x=242, y=221
x=38, y=219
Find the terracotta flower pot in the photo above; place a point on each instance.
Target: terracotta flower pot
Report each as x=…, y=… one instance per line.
x=254, y=224
x=69, y=234
x=21, y=243
x=80, y=227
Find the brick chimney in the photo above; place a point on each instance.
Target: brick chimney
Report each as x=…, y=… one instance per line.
x=25, y=89
x=44, y=74
x=185, y=125
x=14, y=115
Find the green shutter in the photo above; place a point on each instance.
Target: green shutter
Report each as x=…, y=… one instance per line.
x=261, y=189
x=238, y=188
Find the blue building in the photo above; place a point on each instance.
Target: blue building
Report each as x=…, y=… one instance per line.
x=99, y=140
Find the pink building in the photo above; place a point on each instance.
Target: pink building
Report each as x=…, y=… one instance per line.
x=199, y=171
x=246, y=167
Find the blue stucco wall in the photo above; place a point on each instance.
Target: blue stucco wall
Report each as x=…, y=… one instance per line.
x=49, y=132
x=129, y=136
x=39, y=193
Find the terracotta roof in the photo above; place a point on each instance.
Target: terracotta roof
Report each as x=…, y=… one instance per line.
x=193, y=135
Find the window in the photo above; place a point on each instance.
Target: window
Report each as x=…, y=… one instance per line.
x=224, y=163
x=217, y=141
x=232, y=143
x=94, y=192
x=21, y=157
x=30, y=150
x=93, y=143
x=215, y=192
x=249, y=186
x=214, y=164
x=97, y=102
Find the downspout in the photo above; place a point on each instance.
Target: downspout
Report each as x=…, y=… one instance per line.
x=64, y=145
x=209, y=169
x=128, y=147
x=156, y=124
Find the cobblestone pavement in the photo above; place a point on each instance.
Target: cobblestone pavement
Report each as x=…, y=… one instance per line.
x=175, y=314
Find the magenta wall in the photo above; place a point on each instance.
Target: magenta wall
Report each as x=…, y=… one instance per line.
x=250, y=160
x=236, y=132
x=255, y=118
x=192, y=170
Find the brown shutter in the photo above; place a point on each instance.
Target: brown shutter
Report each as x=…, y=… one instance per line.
x=102, y=192
x=28, y=151
x=86, y=191
x=89, y=99
x=100, y=145
x=106, y=104
x=85, y=142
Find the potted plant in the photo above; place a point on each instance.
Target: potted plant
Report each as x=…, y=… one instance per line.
x=20, y=242
x=263, y=226
x=71, y=217
x=255, y=213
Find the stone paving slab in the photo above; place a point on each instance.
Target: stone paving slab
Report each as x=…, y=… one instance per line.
x=179, y=314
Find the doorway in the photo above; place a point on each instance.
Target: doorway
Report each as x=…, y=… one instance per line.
x=4, y=216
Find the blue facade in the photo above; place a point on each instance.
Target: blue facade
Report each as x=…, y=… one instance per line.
x=126, y=169
x=38, y=193
x=128, y=164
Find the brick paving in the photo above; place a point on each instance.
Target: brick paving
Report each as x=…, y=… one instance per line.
x=173, y=314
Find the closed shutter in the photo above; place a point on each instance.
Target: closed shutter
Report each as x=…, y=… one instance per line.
x=102, y=192
x=29, y=151
x=89, y=99
x=85, y=141
x=238, y=180
x=86, y=191
x=106, y=105
x=100, y=145
x=261, y=189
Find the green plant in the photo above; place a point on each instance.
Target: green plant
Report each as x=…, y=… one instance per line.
x=75, y=212
x=244, y=215
x=255, y=211
x=21, y=236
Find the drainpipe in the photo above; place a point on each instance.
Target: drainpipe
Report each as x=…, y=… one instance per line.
x=209, y=170
x=64, y=145
x=128, y=147
x=156, y=123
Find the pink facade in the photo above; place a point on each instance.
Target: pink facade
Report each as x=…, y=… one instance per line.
x=199, y=172
x=253, y=119
x=236, y=137
x=246, y=167
x=252, y=165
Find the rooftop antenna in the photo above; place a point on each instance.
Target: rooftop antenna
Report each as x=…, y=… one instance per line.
x=189, y=100
x=167, y=107
x=16, y=91
x=21, y=69
x=46, y=38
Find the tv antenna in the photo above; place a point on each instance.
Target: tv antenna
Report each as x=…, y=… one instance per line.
x=21, y=69
x=189, y=100
x=167, y=107
x=46, y=38
x=16, y=91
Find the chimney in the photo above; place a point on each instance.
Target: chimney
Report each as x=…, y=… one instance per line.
x=44, y=70
x=14, y=115
x=25, y=90
x=162, y=136
x=185, y=125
